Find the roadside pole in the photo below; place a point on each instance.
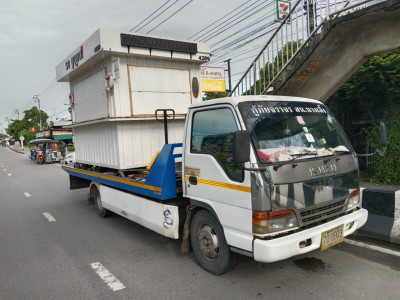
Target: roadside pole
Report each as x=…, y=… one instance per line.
x=21, y=138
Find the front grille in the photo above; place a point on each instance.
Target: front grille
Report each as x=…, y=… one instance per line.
x=325, y=211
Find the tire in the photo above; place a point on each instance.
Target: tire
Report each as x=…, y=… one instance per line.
x=40, y=161
x=209, y=244
x=101, y=211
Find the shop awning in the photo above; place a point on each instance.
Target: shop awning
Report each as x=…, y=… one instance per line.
x=62, y=137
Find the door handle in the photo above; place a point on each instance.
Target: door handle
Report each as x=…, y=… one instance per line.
x=193, y=180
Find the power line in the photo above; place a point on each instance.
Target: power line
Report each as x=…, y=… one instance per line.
x=218, y=20
x=45, y=94
x=58, y=104
x=240, y=30
x=48, y=87
x=238, y=20
x=231, y=46
x=244, y=37
x=170, y=16
x=158, y=15
x=216, y=28
x=245, y=43
x=60, y=111
x=255, y=48
x=222, y=55
x=29, y=105
x=150, y=15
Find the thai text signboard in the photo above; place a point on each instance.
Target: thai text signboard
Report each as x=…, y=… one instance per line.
x=213, y=79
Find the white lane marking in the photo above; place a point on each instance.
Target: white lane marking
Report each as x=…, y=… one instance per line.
x=4, y=169
x=49, y=217
x=8, y=174
x=107, y=277
x=27, y=195
x=373, y=247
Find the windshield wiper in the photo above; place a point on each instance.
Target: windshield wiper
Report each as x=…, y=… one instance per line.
x=333, y=156
x=296, y=156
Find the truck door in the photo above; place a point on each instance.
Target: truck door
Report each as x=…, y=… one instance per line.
x=212, y=177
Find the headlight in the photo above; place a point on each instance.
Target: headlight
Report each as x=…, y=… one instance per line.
x=265, y=222
x=354, y=199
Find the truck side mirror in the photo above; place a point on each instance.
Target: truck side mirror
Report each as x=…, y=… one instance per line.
x=383, y=132
x=241, y=146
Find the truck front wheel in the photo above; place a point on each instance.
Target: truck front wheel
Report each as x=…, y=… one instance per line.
x=209, y=245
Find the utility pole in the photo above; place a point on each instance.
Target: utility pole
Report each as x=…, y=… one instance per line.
x=309, y=8
x=229, y=74
x=37, y=100
x=17, y=112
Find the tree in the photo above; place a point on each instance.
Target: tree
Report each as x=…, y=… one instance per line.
x=31, y=118
x=211, y=96
x=14, y=128
x=375, y=84
x=372, y=95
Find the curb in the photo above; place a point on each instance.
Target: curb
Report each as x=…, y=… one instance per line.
x=383, y=214
x=17, y=150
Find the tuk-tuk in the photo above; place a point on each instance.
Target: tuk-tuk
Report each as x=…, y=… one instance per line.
x=45, y=151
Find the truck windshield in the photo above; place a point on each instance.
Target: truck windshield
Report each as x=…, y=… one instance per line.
x=283, y=131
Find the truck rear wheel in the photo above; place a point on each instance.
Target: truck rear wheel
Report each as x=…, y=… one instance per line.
x=101, y=211
x=209, y=245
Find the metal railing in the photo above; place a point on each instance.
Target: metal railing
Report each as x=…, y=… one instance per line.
x=305, y=19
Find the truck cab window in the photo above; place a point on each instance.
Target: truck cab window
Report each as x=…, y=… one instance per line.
x=212, y=134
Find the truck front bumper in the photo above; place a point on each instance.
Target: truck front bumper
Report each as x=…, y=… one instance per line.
x=284, y=247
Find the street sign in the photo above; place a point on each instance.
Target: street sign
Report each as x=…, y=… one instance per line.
x=282, y=9
x=212, y=79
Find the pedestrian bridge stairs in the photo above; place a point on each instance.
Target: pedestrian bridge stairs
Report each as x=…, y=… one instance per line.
x=342, y=35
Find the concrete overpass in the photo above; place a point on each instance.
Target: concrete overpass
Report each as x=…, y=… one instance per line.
x=335, y=49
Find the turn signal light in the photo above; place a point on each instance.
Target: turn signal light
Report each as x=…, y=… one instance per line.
x=266, y=222
x=354, y=199
x=355, y=192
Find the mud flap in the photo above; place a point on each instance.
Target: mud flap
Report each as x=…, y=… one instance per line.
x=78, y=183
x=185, y=246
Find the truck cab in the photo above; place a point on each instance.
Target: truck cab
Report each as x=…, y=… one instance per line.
x=294, y=189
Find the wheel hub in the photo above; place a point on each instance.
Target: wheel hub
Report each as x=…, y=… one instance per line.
x=208, y=242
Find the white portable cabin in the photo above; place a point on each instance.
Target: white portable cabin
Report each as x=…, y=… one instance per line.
x=117, y=81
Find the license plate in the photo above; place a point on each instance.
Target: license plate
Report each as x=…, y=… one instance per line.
x=332, y=237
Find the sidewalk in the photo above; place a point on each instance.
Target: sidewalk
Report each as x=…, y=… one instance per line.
x=374, y=186
x=18, y=148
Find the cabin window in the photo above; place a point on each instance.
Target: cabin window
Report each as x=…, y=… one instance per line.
x=212, y=134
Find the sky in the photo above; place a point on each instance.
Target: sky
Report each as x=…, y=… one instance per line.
x=35, y=36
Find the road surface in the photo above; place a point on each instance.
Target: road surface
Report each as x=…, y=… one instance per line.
x=54, y=246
